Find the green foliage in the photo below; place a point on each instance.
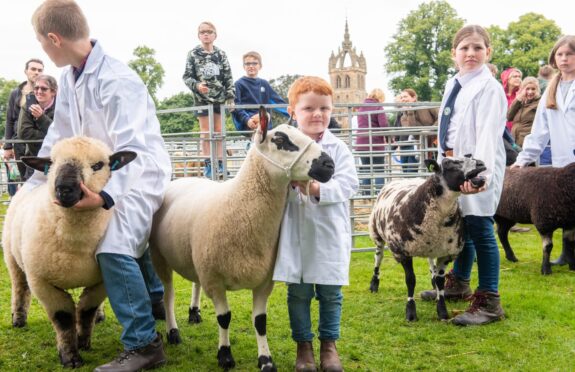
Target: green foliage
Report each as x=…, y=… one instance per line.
x=178, y=122
x=282, y=84
x=420, y=55
x=6, y=86
x=525, y=44
x=150, y=70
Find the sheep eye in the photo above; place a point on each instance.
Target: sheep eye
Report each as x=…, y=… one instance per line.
x=99, y=165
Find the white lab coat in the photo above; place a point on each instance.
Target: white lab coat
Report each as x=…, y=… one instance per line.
x=110, y=102
x=315, y=238
x=555, y=125
x=476, y=128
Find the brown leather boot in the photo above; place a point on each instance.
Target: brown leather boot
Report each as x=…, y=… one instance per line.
x=305, y=361
x=485, y=308
x=147, y=357
x=455, y=289
x=329, y=359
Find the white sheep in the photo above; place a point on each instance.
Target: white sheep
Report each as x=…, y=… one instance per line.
x=224, y=235
x=421, y=218
x=50, y=248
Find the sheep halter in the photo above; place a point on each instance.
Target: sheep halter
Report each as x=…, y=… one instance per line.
x=288, y=168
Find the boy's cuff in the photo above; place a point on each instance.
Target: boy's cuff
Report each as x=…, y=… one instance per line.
x=108, y=201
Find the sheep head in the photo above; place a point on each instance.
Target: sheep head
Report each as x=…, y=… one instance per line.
x=455, y=171
x=78, y=159
x=287, y=148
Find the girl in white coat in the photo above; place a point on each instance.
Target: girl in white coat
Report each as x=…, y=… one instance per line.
x=555, y=116
x=474, y=125
x=315, y=239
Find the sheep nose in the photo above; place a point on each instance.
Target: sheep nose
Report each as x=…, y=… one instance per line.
x=64, y=191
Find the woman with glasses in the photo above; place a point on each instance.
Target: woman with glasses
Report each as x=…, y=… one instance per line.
x=209, y=76
x=34, y=121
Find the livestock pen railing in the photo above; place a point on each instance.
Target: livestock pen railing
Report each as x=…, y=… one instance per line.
x=400, y=156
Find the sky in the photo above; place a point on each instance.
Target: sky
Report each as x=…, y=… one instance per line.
x=293, y=37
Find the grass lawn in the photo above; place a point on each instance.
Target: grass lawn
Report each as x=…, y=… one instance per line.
x=538, y=334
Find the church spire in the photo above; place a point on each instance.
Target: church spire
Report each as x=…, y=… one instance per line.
x=346, y=40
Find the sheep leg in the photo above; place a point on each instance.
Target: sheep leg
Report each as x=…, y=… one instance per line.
x=20, y=292
x=224, y=317
x=62, y=313
x=259, y=319
x=547, y=248
x=503, y=227
x=374, y=284
x=194, y=316
x=86, y=312
x=439, y=279
x=569, y=247
x=410, y=310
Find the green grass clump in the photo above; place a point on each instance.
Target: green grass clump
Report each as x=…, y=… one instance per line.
x=538, y=334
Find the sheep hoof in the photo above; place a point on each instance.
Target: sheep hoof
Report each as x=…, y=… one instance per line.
x=410, y=311
x=225, y=358
x=374, y=285
x=266, y=364
x=442, y=309
x=74, y=360
x=174, y=337
x=546, y=269
x=18, y=320
x=511, y=258
x=194, y=316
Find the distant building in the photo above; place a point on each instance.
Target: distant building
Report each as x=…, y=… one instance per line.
x=347, y=73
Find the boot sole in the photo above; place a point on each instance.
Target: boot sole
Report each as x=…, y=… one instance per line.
x=155, y=365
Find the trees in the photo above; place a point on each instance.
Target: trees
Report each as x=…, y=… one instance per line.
x=6, y=87
x=525, y=44
x=420, y=55
x=150, y=71
x=177, y=122
x=281, y=85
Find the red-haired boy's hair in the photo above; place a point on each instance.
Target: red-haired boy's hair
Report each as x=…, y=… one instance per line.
x=307, y=84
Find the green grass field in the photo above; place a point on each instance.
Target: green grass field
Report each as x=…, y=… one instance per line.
x=538, y=334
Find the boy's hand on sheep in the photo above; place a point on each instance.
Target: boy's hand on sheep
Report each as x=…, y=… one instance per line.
x=90, y=200
x=468, y=188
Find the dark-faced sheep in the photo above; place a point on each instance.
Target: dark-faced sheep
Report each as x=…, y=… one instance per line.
x=421, y=218
x=50, y=248
x=225, y=235
x=543, y=197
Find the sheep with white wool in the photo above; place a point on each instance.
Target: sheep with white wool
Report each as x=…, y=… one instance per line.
x=51, y=247
x=421, y=218
x=543, y=197
x=224, y=235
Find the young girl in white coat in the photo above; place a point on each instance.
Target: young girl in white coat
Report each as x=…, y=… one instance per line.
x=315, y=239
x=555, y=116
x=474, y=125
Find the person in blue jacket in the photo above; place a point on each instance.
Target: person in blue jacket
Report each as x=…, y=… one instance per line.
x=252, y=90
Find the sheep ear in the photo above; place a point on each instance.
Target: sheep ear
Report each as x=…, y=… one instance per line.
x=264, y=120
x=432, y=165
x=121, y=158
x=34, y=162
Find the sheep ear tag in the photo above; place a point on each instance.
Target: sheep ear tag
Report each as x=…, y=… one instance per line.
x=37, y=163
x=121, y=158
x=264, y=121
x=431, y=165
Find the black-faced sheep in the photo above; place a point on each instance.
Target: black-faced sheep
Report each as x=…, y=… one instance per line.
x=421, y=218
x=543, y=197
x=50, y=248
x=225, y=235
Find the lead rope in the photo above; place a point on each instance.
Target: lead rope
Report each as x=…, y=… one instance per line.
x=288, y=168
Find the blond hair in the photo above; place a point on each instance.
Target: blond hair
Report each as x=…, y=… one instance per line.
x=531, y=80
x=50, y=80
x=254, y=55
x=568, y=40
x=209, y=24
x=469, y=30
x=377, y=94
x=62, y=17
x=307, y=84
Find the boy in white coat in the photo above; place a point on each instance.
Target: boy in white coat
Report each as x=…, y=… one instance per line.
x=315, y=239
x=102, y=98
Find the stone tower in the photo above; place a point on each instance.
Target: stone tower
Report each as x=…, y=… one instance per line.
x=347, y=73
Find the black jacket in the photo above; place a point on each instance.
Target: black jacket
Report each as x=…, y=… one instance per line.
x=30, y=128
x=12, y=115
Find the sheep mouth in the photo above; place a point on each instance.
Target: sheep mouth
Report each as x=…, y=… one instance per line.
x=472, y=176
x=322, y=168
x=68, y=196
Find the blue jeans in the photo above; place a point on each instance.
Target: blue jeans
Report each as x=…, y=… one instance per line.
x=366, y=168
x=12, y=188
x=126, y=289
x=299, y=298
x=479, y=239
x=410, y=161
x=153, y=282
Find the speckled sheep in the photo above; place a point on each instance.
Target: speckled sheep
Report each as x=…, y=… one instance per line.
x=421, y=218
x=225, y=235
x=544, y=197
x=50, y=248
